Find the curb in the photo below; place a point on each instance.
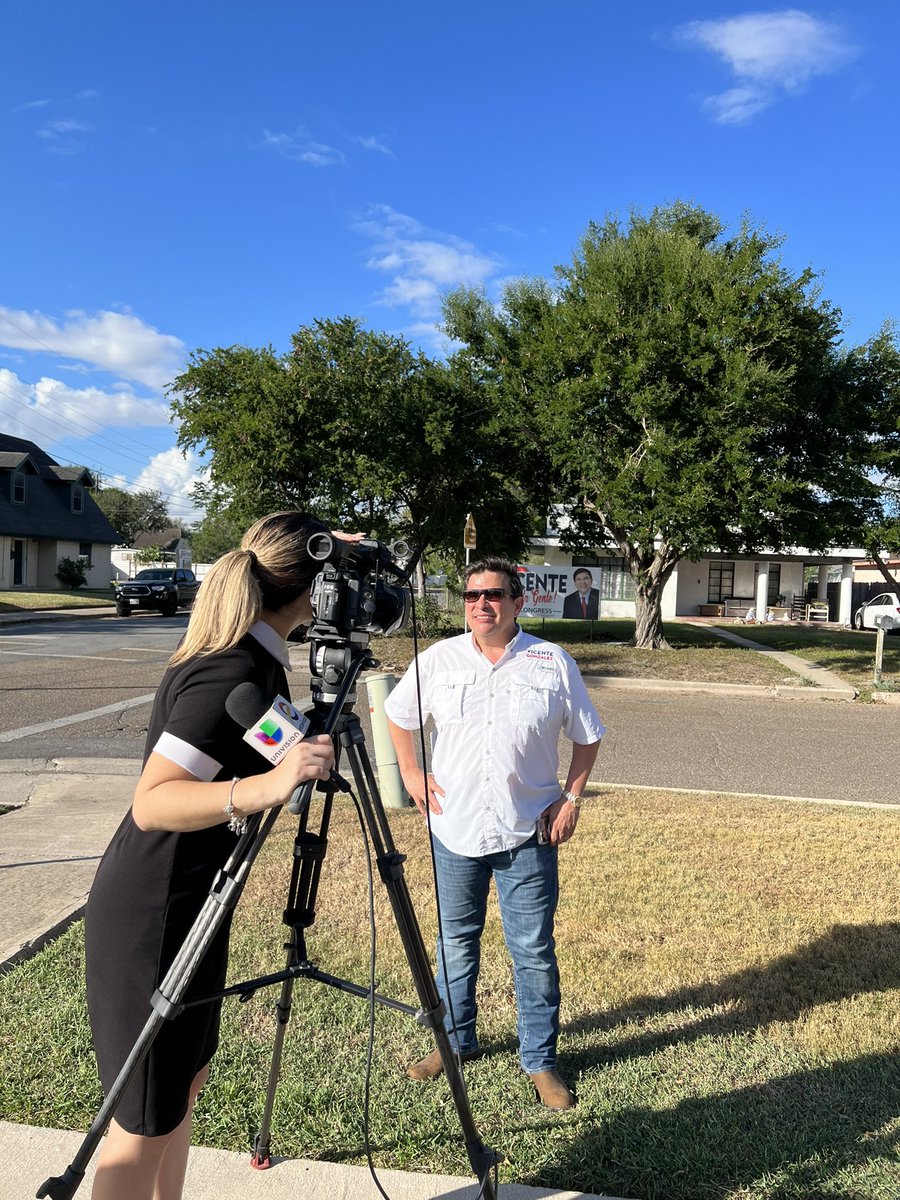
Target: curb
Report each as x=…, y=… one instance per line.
x=53, y=614
x=754, y=690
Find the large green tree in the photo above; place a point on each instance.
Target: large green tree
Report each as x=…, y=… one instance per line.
x=357, y=426
x=692, y=393
x=880, y=534
x=133, y=513
x=214, y=535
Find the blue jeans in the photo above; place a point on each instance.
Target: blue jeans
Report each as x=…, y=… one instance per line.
x=527, y=885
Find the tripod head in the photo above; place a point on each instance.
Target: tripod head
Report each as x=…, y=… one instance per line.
x=363, y=588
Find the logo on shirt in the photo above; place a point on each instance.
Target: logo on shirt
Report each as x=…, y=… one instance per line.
x=543, y=655
x=269, y=733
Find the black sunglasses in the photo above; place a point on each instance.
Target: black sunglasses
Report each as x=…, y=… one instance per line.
x=492, y=594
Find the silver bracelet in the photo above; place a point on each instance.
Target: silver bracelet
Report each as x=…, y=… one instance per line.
x=237, y=825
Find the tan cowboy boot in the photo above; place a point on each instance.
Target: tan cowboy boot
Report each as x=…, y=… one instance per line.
x=552, y=1091
x=431, y=1066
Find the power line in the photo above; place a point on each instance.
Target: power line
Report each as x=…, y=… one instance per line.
x=27, y=333
x=67, y=428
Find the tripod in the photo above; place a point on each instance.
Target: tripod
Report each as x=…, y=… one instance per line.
x=336, y=663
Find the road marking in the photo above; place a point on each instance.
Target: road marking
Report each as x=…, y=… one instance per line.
x=12, y=735
x=29, y=637
x=710, y=791
x=44, y=654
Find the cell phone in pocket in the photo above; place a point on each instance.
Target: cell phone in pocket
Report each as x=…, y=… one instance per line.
x=543, y=830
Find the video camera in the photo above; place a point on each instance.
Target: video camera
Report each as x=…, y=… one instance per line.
x=362, y=587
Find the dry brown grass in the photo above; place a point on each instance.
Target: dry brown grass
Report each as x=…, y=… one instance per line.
x=668, y=901
x=731, y=986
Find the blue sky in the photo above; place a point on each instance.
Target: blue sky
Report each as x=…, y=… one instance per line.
x=194, y=174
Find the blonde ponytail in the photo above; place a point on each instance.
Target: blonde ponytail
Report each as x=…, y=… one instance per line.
x=271, y=569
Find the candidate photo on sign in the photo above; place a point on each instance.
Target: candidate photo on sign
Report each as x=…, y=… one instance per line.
x=584, y=603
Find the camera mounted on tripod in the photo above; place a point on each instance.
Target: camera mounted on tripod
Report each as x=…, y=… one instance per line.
x=361, y=589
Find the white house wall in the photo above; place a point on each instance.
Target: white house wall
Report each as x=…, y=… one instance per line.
x=692, y=583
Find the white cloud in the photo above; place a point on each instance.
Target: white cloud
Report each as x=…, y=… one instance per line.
x=30, y=104
x=770, y=54
x=65, y=136
x=300, y=146
x=422, y=263
x=736, y=106
x=175, y=475
x=117, y=342
x=49, y=411
x=375, y=144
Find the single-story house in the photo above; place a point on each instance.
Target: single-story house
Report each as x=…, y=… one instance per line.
x=726, y=584
x=47, y=514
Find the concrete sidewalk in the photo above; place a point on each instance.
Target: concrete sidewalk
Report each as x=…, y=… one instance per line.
x=64, y=814
x=821, y=679
x=28, y=1156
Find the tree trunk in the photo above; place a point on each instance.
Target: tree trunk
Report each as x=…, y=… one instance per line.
x=889, y=579
x=648, y=627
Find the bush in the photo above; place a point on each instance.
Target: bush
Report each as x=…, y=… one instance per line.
x=72, y=572
x=432, y=620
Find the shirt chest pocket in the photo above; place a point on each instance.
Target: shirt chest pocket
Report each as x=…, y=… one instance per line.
x=450, y=689
x=537, y=698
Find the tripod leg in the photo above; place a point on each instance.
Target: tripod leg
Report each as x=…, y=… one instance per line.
x=309, y=852
x=166, y=1001
x=390, y=867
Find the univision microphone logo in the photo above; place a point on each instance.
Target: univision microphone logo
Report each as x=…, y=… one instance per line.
x=279, y=729
x=269, y=733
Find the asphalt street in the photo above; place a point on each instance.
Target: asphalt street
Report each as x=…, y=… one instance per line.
x=82, y=689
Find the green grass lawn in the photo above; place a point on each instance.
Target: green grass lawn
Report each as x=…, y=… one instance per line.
x=849, y=653
x=731, y=979
x=83, y=598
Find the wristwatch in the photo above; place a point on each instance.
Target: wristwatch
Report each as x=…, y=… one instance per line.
x=573, y=799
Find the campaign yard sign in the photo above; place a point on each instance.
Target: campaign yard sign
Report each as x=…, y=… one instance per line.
x=568, y=592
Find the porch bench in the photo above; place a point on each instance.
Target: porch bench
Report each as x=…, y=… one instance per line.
x=711, y=610
x=738, y=606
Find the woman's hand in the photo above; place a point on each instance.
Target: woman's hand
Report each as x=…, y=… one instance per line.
x=311, y=759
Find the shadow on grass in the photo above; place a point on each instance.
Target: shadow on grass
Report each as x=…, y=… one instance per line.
x=848, y=960
x=792, y=1137
x=797, y=1132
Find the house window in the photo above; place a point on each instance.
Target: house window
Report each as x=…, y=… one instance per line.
x=616, y=582
x=77, y=498
x=774, y=582
x=721, y=581
x=84, y=552
x=18, y=487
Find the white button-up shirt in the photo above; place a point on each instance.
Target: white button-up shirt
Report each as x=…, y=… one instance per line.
x=498, y=726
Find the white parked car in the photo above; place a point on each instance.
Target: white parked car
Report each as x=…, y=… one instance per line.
x=885, y=605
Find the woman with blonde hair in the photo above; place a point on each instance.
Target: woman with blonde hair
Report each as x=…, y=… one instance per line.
x=199, y=782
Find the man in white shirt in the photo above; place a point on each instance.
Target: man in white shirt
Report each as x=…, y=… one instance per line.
x=499, y=699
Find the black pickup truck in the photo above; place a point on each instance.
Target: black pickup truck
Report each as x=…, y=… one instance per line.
x=164, y=588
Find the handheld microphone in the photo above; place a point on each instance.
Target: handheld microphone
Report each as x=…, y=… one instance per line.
x=272, y=729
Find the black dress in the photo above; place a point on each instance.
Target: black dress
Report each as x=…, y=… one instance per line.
x=150, y=886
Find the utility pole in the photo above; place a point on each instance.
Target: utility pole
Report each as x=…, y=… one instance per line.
x=469, y=543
